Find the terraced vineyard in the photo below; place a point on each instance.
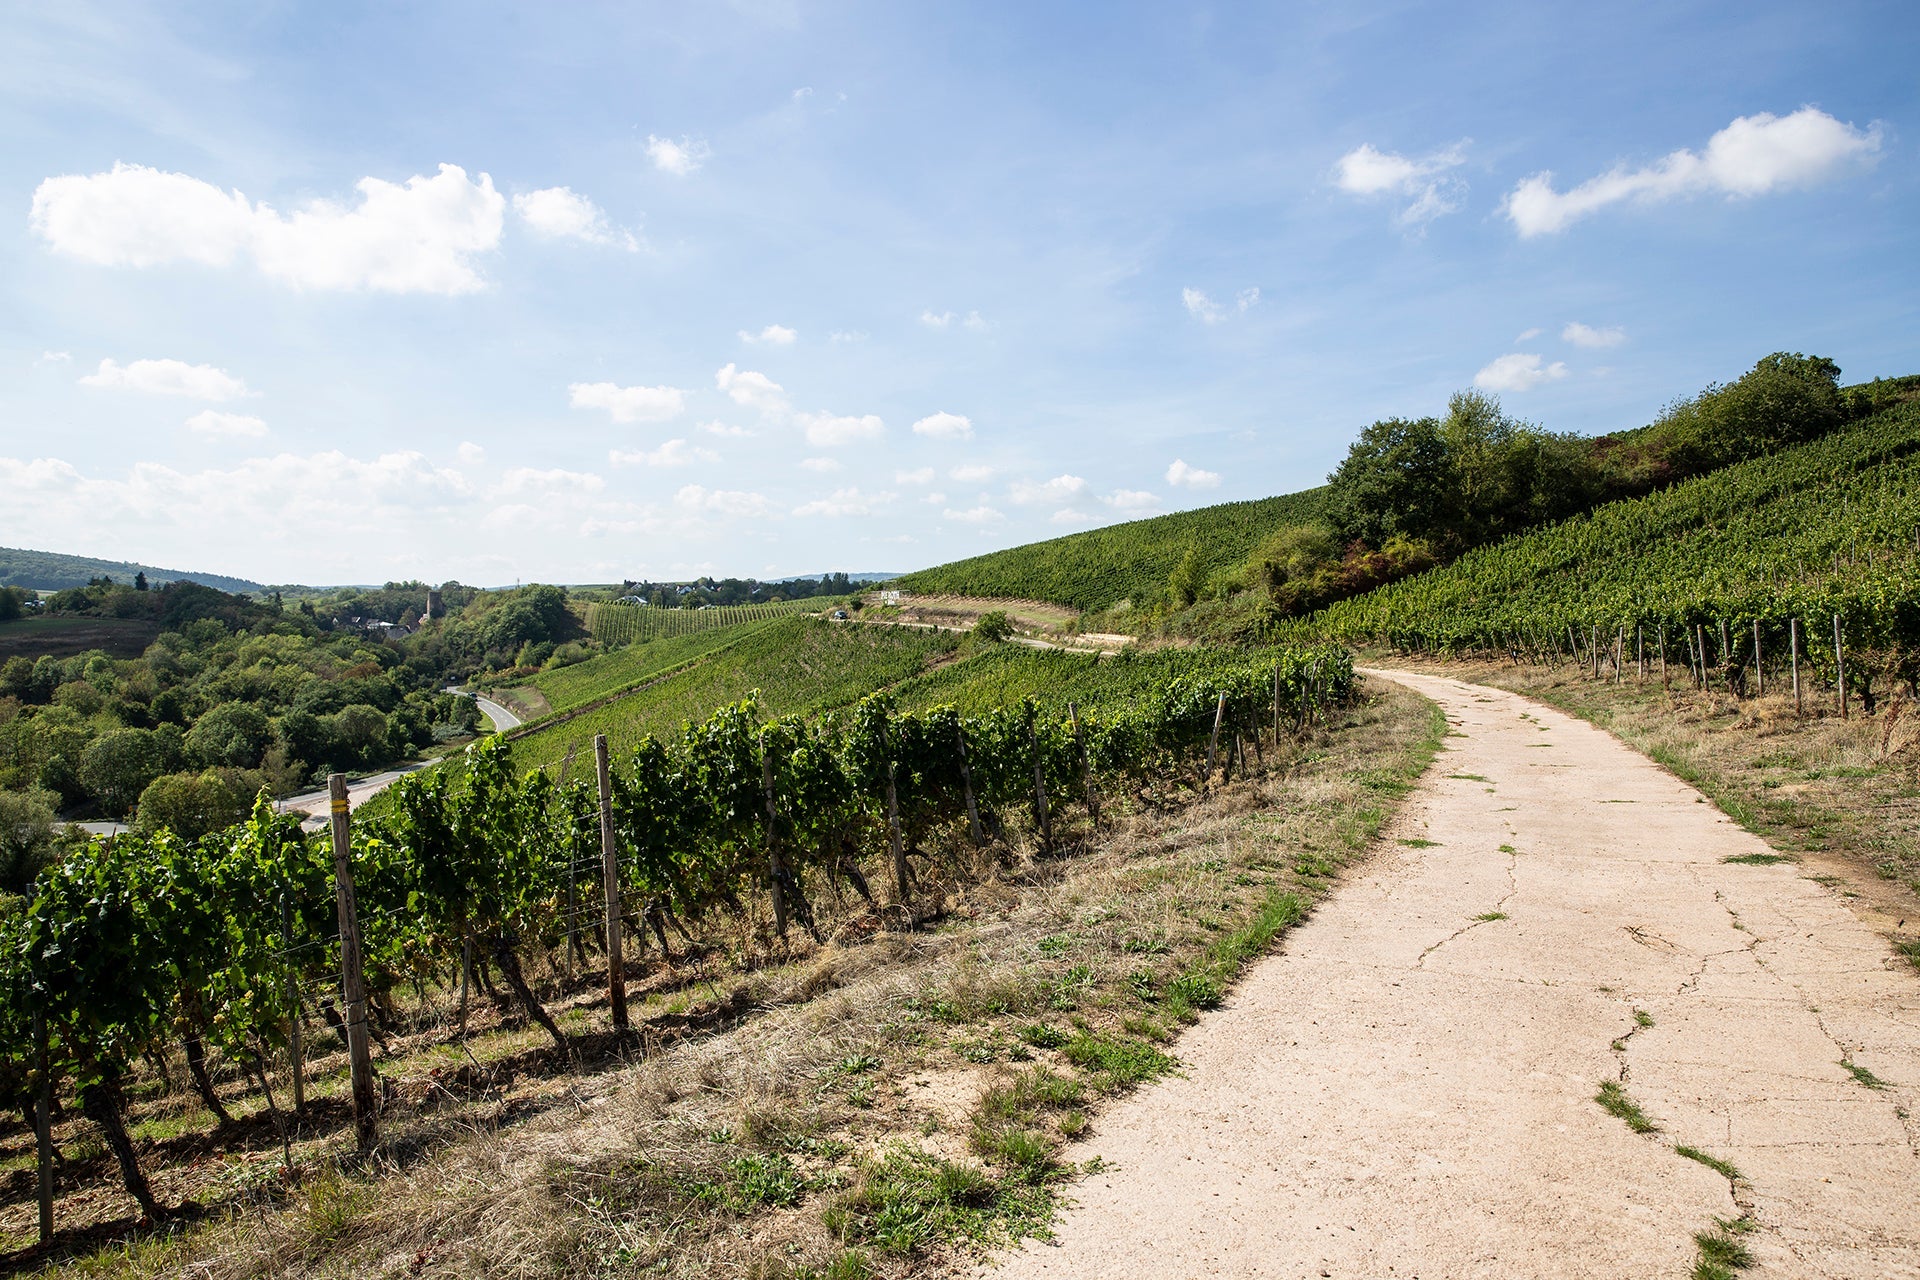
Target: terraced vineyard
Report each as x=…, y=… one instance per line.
x=634, y=664
x=619, y=624
x=798, y=665
x=1132, y=561
x=1828, y=528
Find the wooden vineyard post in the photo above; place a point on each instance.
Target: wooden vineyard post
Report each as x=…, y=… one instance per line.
x=1700, y=634
x=1759, y=677
x=966, y=786
x=1213, y=742
x=1593, y=649
x=893, y=826
x=1726, y=654
x=1041, y=816
x=1619, y=655
x=1086, y=769
x=296, y=1055
x=1276, y=706
x=43, y=1128
x=352, y=981
x=573, y=876
x=1839, y=668
x=1639, y=651
x=1666, y=683
x=610, y=874
x=775, y=874
x=1793, y=635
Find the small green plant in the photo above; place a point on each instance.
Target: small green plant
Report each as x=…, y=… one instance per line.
x=1862, y=1075
x=1721, y=1253
x=1614, y=1100
x=1507, y=848
x=1485, y=916
x=1722, y=1167
x=910, y=1201
x=1468, y=777
x=1641, y=1018
x=1117, y=1063
x=1759, y=859
x=1417, y=843
x=1042, y=1036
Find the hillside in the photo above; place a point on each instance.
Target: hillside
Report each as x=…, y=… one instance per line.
x=53, y=571
x=1131, y=561
x=1822, y=528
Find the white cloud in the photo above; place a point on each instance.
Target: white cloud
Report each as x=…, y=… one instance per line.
x=628, y=404
x=674, y=453
x=215, y=425
x=1060, y=489
x=551, y=481
x=1424, y=182
x=1206, y=310
x=935, y=499
x=1067, y=515
x=559, y=213
x=973, y=473
x=936, y=320
x=1131, y=500
x=804, y=92
x=168, y=378
x=1529, y=335
x=974, y=515
x=1518, y=371
x=945, y=426
x=678, y=158
x=844, y=502
x=1180, y=475
x=732, y=502
x=54, y=357
x=826, y=430
x=1583, y=335
x=820, y=464
x=416, y=237
x=944, y=319
x=471, y=454
x=920, y=475
x=774, y=335
x=754, y=390
x=1753, y=156
x=847, y=335
x=718, y=428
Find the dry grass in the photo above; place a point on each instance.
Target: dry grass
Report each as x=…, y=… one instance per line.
x=890, y=1106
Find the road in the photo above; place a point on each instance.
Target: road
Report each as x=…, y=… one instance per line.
x=1408, y=1088
x=502, y=718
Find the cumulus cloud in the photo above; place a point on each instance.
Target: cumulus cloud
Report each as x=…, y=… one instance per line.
x=973, y=473
x=827, y=430
x=1584, y=335
x=844, y=502
x=214, y=425
x=551, y=480
x=1528, y=335
x=674, y=453
x=1131, y=500
x=168, y=378
x=1063, y=488
x=754, y=390
x=1518, y=371
x=919, y=475
x=945, y=426
x=560, y=213
x=731, y=502
x=677, y=158
x=1206, y=310
x=945, y=319
x=1752, y=156
x=421, y=236
x=1425, y=183
x=1182, y=476
x=628, y=404
x=718, y=428
x=774, y=335
x=820, y=464
x=471, y=454
x=982, y=514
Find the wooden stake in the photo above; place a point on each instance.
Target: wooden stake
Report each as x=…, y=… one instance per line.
x=1639, y=651
x=610, y=875
x=1213, y=742
x=1793, y=631
x=893, y=826
x=1086, y=770
x=1041, y=817
x=966, y=786
x=1276, y=706
x=43, y=1128
x=352, y=980
x=1839, y=668
x=1759, y=678
x=1666, y=684
x=296, y=1054
x=775, y=873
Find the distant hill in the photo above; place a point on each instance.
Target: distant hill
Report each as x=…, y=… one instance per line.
x=1102, y=567
x=52, y=571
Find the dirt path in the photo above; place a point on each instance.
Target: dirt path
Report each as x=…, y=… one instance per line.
x=1407, y=1090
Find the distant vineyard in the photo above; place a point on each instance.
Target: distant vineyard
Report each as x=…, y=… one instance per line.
x=1131, y=561
x=1828, y=528
x=567, y=687
x=617, y=624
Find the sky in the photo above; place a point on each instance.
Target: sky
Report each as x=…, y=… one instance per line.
x=585, y=292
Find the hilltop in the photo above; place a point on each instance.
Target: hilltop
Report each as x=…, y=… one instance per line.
x=55, y=571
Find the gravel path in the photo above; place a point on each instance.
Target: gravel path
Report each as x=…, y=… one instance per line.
x=1407, y=1089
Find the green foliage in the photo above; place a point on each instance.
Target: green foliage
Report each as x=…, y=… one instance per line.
x=28, y=837
x=51, y=571
x=622, y=624
x=993, y=626
x=189, y=804
x=910, y=1202
x=634, y=664
x=1783, y=400
x=1100, y=568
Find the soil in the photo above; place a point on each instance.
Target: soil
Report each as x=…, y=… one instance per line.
x=1408, y=1087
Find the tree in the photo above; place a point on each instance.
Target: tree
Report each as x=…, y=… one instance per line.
x=140, y=580
x=1396, y=478
x=29, y=823
x=235, y=734
x=117, y=766
x=1184, y=583
x=993, y=626
x=190, y=805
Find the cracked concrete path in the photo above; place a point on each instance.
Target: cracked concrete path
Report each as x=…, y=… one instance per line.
x=1406, y=1089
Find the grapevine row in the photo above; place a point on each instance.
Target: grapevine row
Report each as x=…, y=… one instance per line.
x=618, y=624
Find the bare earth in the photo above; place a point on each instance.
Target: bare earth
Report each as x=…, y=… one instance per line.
x=1408, y=1091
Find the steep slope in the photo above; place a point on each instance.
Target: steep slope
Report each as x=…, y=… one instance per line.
x=54, y=571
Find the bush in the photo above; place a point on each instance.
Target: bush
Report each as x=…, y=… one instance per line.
x=993, y=627
x=190, y=805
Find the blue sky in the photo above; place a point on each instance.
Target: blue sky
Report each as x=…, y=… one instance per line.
x=515, y=293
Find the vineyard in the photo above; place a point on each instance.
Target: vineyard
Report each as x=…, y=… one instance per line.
x=634, y=664
x=621, y=624
x=1701, y=575
x=235, y=942
x=1133, y=561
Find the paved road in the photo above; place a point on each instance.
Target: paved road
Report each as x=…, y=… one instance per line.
x=1408, y=1088
x=502, y=718
x=314, y=803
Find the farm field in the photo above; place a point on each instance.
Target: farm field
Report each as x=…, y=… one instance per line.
x=62, y=637
x=622, y=624
x=633, y=664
